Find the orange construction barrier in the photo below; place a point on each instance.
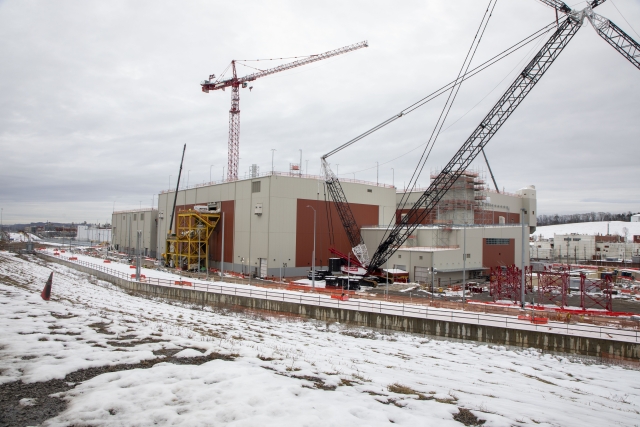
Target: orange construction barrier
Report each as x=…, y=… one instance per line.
x=73, y=258
x=107, y=261
x=183, y=283
x=142, y=276
x=132, y=266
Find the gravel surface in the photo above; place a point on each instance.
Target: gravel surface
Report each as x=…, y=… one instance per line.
x=30, y=404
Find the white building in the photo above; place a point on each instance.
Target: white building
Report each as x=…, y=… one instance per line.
x=93, y=233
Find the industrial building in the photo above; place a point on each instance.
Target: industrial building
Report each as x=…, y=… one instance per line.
x=268, y=225
x=93, y=233
x=126, y=224
x=268, y=220
x=574, y=248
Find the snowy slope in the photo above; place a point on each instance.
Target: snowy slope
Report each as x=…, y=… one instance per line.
x=284, y=372
x=599, y=227
x=22, y=237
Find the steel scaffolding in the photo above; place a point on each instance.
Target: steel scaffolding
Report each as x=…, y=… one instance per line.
x=188, y=249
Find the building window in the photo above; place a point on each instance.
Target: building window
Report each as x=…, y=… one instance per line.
x=141, y=217
x=369, y=190
x=399, y=256
x=468, y=256
x=255, y=186
x=498, y=241
x=124, y=217
x=135, y=216
x=420, y=257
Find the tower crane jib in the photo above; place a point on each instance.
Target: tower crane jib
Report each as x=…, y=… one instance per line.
x=236, y=82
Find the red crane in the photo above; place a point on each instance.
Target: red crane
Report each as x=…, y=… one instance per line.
x=236, y=82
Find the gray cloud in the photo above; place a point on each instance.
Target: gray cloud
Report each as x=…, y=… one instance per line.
x=98, y=98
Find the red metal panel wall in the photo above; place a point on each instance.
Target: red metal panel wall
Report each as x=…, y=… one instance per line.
x=498, y=255
x=327, y=216
x=493, y=217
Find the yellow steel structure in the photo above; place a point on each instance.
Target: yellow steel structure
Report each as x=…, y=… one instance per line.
x=189, y=247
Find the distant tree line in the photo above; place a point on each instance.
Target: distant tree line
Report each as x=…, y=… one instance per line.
x=585, y=217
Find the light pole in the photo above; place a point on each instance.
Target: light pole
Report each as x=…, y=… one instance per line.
x=522, y=212
x=210, y=172
x=464, y=261
x=188, y=174
x=337, y=169
x=273, y=150
x=433, y=273
x=200, y=226
x=222, y=255
x=313, y=259
x=223, y=173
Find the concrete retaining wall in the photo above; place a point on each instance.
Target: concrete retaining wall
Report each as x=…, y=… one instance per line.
x=583, y=346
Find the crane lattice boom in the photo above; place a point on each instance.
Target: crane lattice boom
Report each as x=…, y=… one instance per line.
x=514, y=95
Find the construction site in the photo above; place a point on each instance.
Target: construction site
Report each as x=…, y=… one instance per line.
x=283, y=225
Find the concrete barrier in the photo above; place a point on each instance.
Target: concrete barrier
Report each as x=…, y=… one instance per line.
x=569, y=344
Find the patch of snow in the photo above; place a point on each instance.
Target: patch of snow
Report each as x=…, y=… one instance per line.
x=188, y=352
x=283, y=370
x=598, y=227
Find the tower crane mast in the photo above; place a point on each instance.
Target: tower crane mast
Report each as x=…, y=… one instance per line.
x=236, y=82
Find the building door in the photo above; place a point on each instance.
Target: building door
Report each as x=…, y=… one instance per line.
x=263, y=268
x=421, y=275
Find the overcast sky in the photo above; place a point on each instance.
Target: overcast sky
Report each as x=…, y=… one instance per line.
x=97, y=99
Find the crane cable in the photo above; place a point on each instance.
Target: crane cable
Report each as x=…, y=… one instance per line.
x=471, y=109
x=433, y=95
x=449, y=104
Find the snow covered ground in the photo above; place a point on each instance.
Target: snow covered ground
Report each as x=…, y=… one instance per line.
x=22, y=237
x=277, y=371
x=599, y=227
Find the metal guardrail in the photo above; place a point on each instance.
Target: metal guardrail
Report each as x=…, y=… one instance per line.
x=407, y=310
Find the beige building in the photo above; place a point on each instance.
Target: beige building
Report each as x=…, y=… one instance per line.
x=485, y=246
x=269, y=220
x=124, y=228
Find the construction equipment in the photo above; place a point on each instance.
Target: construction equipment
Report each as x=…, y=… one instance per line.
x=236, y=82
x=506, y=105
x=189, y=247
x=175, y=197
